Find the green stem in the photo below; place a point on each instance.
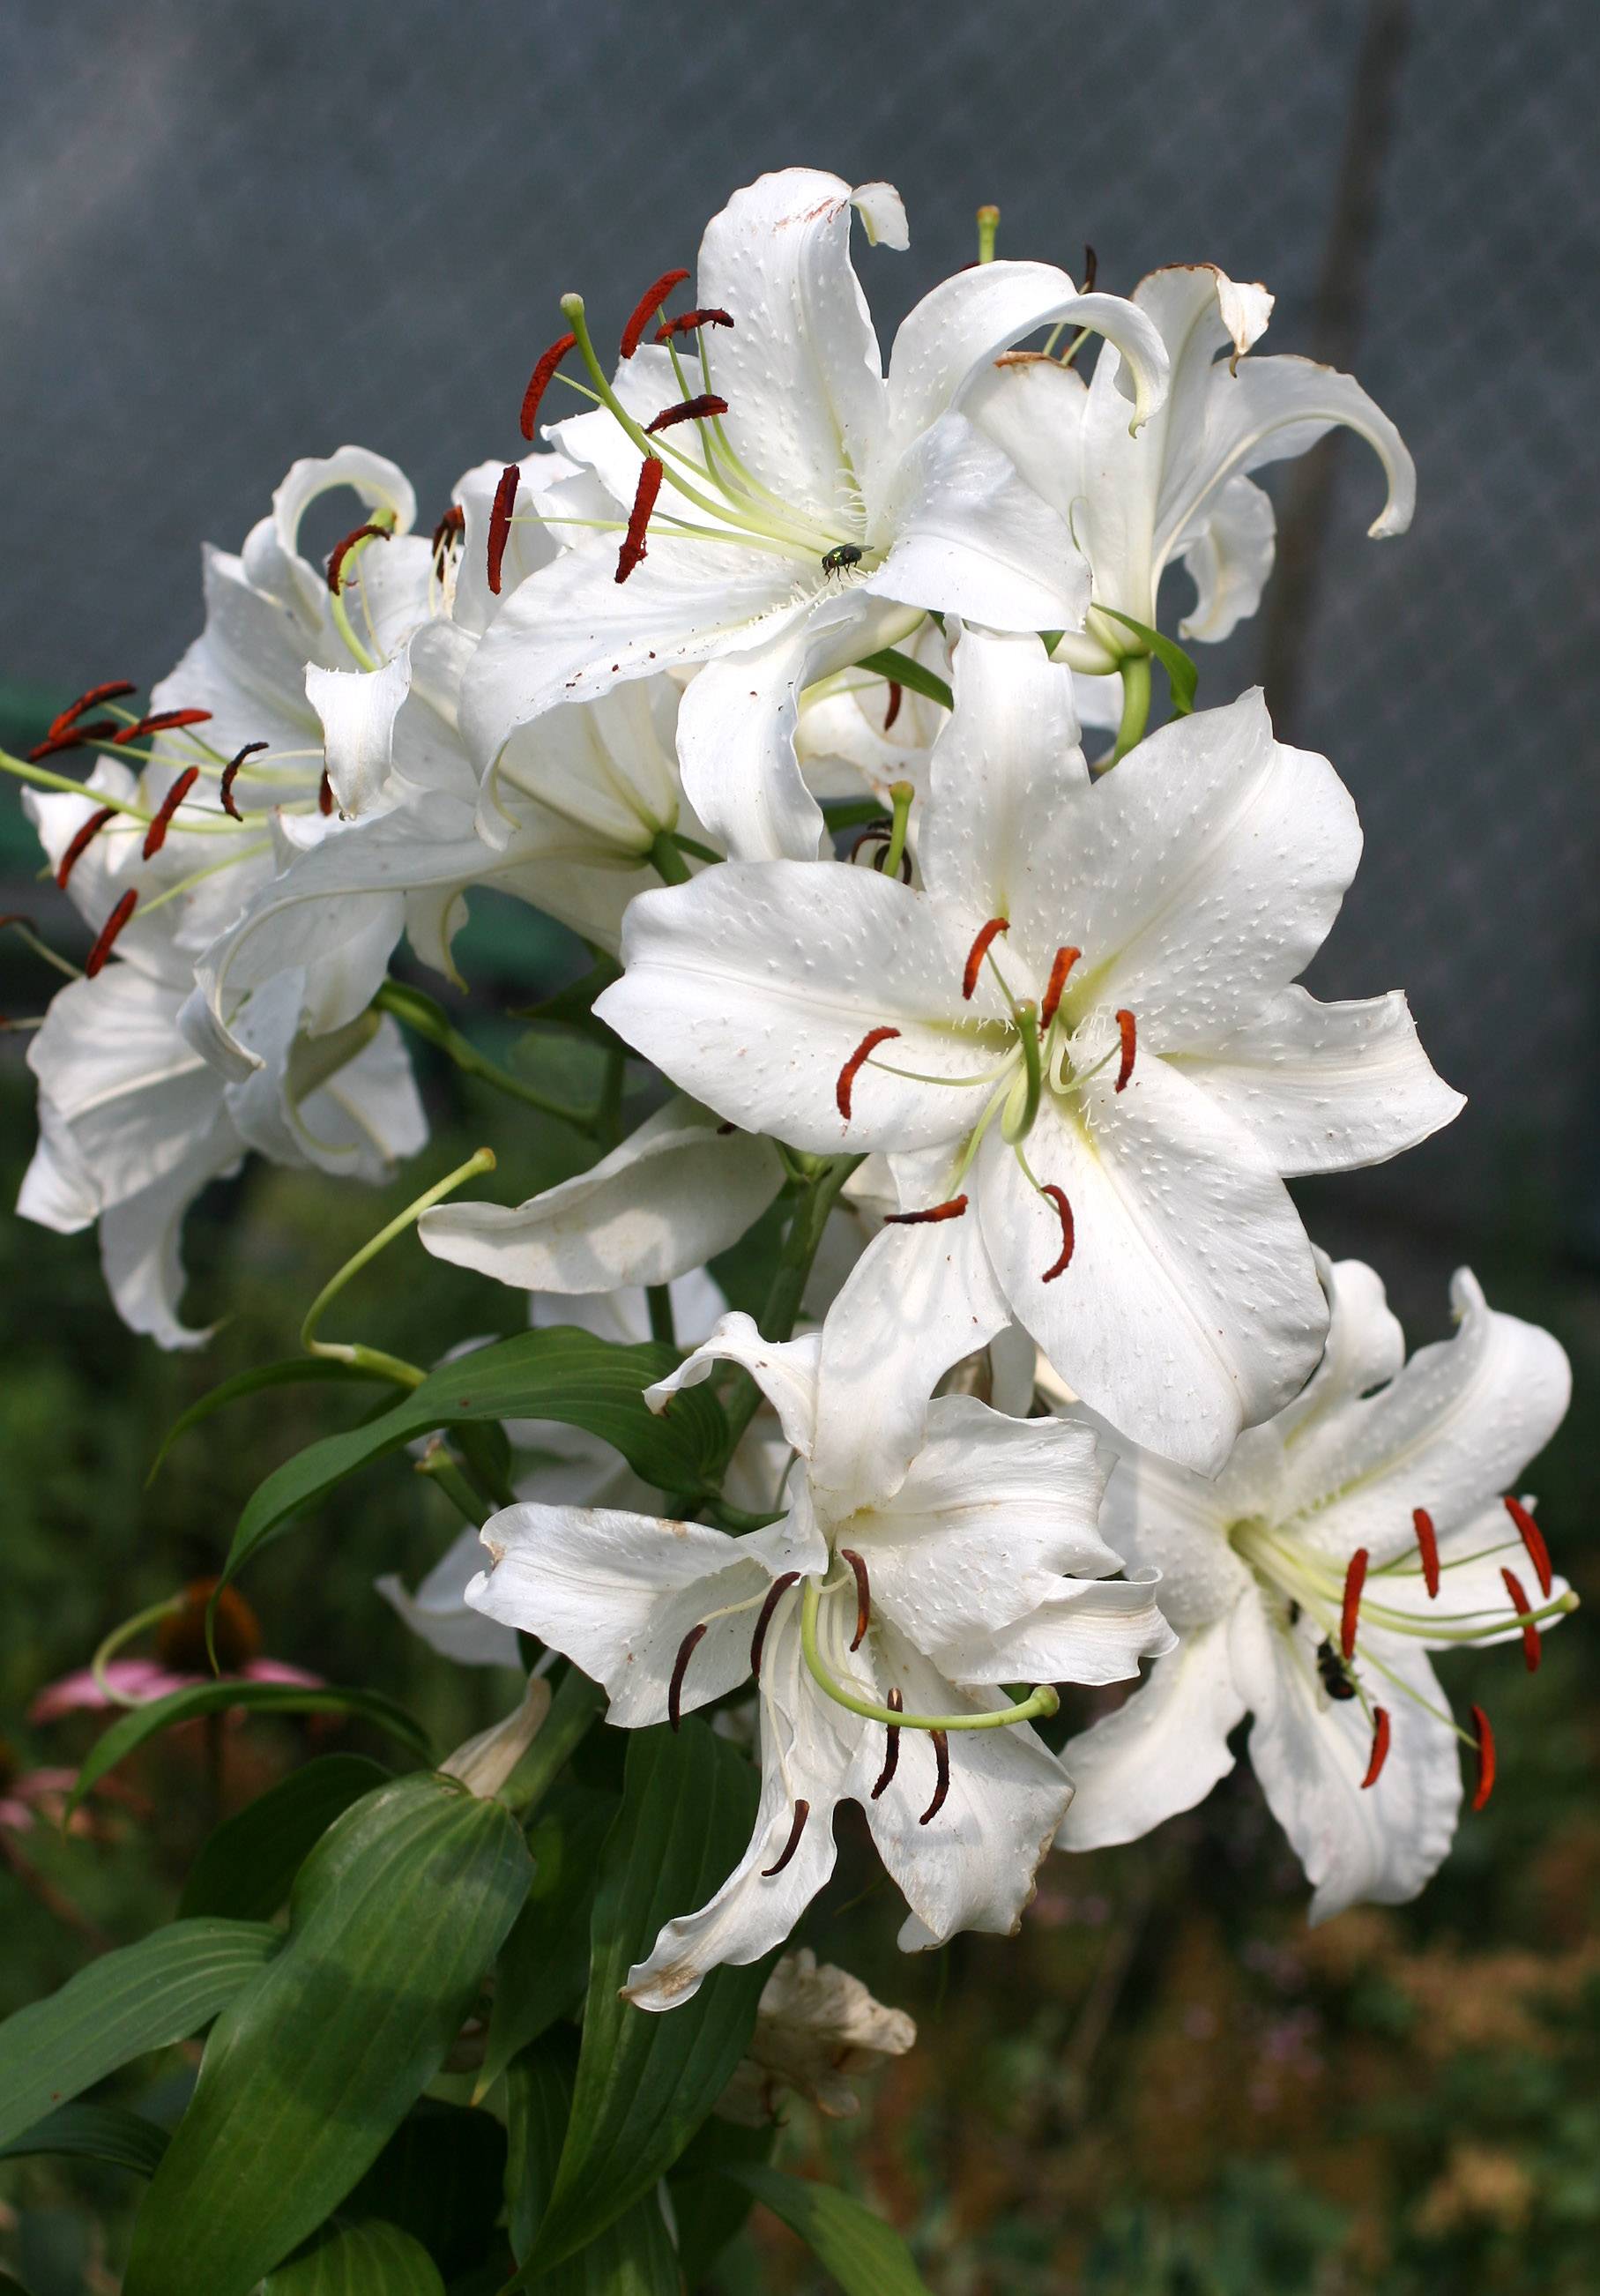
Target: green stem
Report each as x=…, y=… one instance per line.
x=788, y=1286
x=1042, y=1701
x=1136, y=702
x=425, y=1019
x=901, y=795
x=352, y=1352
x=441, y=1467
x=123, y=1634
x=667, y=860
x=658, y=1298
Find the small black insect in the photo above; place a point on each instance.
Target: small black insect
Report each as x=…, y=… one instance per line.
x=1335, y=1679
x=1294, y=1614
x=846, y=554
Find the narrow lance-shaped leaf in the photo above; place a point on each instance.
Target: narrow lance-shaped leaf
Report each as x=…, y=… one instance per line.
x=94, y=2132
x=364, y=2259
x=395, y=1918
x=247, y=1867
x=632, y=2256
x=296, y=1371
x=865, y=2256
x=544, y=1961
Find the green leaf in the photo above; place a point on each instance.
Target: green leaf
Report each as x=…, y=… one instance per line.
x=903, y=670
x=296, y=1371
x=544, y=1961
x=633, y=2256
x=573, y=1711
x=364, y=2259
x=561, y=1374
x=1183, y=674
x=139, y=1723
x=709, y=2209
x=439, y=2177
x=94, y=2132
x=395, y=1917
x=647, y=2080
x=142, y=1997
x=247, y=1866
x=865, y=2256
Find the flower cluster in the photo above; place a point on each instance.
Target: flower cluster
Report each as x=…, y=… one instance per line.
x=1051, y=1380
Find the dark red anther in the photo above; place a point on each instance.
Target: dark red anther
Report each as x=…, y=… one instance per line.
x=1066, y=959
x=855, y=1064
x=978, y=951
x=1355, y=1578
x=864, y=1593
x=342, y=548
x=689, y=322
x=633, y=542
x=155, y=836
x=1533, y=1539
x=73, y=737
x=541, y=379
x=165, y=721
x=500, y=522
x=1127, y=1030
x=680, y=1666
x=1091, y=267
x=941, y=1756
x=1427, y=1546
x=225, y=787
x=115, y=689
x=109, y=931
x=1069, y=1237
x=82, y=839
x=324, y=794
x=892, y=1756
x=1380, y=1746
x=1533, y=1650
x=453, y=524
x=802, y=1811
x=1486, y=1758
x=650, y=302
x=896, y=694
x=953, y=1209
x=758, y=1642
x=686, y=410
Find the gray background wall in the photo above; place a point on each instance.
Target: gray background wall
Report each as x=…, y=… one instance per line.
x=232, y=234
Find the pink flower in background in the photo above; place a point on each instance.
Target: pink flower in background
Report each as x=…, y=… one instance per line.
x=181, y=1659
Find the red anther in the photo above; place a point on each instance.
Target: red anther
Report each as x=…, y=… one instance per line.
x=802, y=1811
x=857, y=1062
x=680, y=1666
x=892, y=1756
x=1066, y=959
x=638, y=519
x=109, y=931
x=1533, y=1539
x=758, y=1642
x=155, y=836
x=1380, y=1746
x=500, y=522
x=115, y=689
x=1427, y=1546
x=1058, y=1197
x=864, y=1593
x=541, y=379
x=324, y=794
x=686, y=410
x=1355, y=1578
x=650, y=301
x=1533, y=1650
x=453, y=523
x=341, y=550
x=82, y=839
x=1486, y=1758
x=896, y=694
x=165, y=721
x=73, y=737
x=225, y=787
x=978, y=951
x=1127, y=1029
x=689, y=322
x=941, y=1756
x=953, y=1209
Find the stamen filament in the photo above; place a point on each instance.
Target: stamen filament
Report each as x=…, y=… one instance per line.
x=1017, y=1128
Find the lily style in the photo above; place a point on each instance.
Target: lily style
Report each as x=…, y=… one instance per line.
x=1077, y=1042
x=1374, y=1521
x=778, y=507
x=876, y=1620
x=1179, y=492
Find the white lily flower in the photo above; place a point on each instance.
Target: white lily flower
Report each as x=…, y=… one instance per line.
x=876, y=1616
x=1346, y=1539
x=1179, y=492
x=816, y=2028
x=1077, y=1041
x=785, y=508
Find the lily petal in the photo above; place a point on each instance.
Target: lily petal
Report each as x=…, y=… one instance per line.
x=1160, y=1752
